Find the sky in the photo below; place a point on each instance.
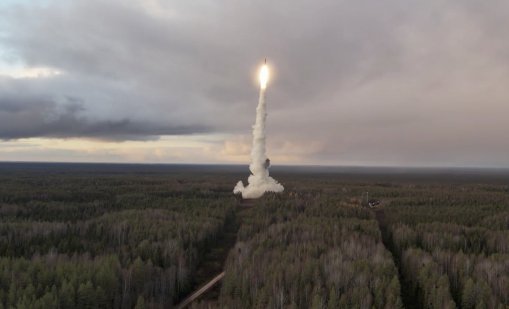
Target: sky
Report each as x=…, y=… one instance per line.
x=368, y=82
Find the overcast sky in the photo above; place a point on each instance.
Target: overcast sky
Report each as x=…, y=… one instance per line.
x=368, y=82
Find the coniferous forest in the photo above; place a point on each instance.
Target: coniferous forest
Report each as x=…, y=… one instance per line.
x=134, y=236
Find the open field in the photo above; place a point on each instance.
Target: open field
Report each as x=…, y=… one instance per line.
x=146, y=236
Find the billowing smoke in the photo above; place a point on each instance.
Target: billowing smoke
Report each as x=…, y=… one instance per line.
x=259, y=181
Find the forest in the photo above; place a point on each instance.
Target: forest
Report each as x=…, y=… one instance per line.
x=103, y=236
x=71, y=240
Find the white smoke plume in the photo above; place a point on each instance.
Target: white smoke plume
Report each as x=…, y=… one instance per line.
x=259, y=181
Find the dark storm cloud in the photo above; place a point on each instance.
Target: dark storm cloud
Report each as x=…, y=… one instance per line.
x=23, y=114
x=41, y=117
x=396, y=82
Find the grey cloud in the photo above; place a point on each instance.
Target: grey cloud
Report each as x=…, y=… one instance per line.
x=42, y=117
x=375, y=81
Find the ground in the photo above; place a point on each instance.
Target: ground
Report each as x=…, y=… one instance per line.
x=111, y=236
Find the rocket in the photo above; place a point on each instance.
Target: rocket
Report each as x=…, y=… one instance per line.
x=259, y=181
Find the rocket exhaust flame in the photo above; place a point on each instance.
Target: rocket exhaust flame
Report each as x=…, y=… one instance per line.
x=259, y=181
x=264, y=76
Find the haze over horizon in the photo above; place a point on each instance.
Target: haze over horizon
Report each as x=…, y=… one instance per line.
x=394, y=83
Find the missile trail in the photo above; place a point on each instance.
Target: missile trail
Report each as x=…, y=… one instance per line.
x=259, y=181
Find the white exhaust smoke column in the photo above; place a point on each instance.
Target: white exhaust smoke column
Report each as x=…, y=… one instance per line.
x=259, y=181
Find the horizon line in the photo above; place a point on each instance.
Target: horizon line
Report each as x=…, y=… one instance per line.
x=276, y=165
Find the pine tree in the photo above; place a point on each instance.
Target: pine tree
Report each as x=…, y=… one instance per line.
x=333, y=299
x=47, y=301
x=67, y=296
x=101, y=298
x=12, y=295
x=317, y=302
x=86, y=297
x=138, y=275
x=468, y=295
x=140, y=304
